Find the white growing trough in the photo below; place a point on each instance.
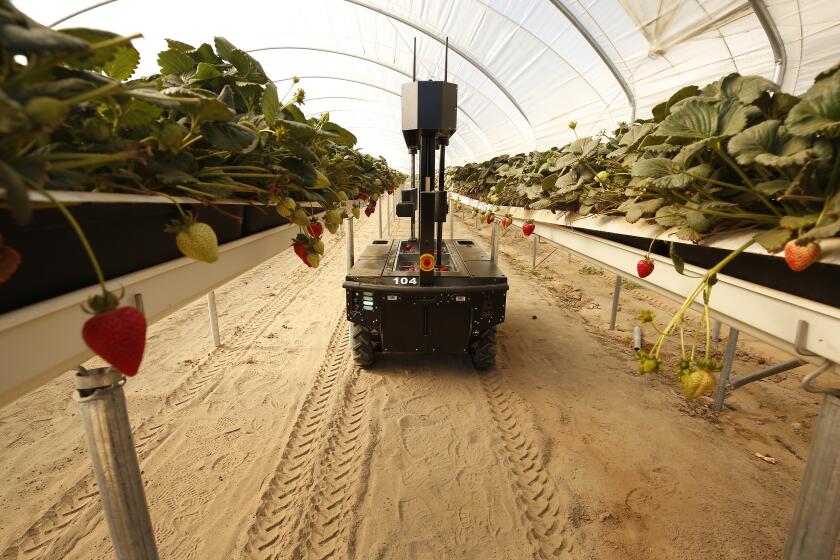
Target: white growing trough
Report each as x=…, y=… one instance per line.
x=765, y=313
x=43, y=340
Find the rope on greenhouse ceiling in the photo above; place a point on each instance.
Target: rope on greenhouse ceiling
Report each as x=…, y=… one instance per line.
x=480, y=67
x=487, y=143
x=381, y=88
x=576, y=23
x=80, y=12
x=775, y=38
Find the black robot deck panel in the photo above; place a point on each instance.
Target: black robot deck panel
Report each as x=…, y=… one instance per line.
x=384, y=261
x=466, y=298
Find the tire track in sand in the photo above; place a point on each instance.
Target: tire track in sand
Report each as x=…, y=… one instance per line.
x=307, y=507
x=48, y=537
x=536, y=493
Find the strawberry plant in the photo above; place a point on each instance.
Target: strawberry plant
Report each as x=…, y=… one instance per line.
x=210, y=125
x=736, y=154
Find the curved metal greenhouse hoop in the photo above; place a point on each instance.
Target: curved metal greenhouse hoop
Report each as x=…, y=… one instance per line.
x=602, y=54
x=376, y=86
x=487, y=143
x=476, y=64
x=775, y=38
x=80, y=12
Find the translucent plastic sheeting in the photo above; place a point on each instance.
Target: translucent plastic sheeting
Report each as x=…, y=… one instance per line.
x=524, y=68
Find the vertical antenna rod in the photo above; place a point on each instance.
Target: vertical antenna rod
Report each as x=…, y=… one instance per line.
x=446, y=61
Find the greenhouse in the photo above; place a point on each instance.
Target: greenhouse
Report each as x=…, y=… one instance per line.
x=456, y=279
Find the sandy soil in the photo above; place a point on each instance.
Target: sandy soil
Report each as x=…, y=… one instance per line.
x=275, y=446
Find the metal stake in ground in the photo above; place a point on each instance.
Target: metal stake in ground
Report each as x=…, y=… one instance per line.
x=348, y=225
x=534, y=252
x=615, y=300
x=104, y=415
x=214, y=318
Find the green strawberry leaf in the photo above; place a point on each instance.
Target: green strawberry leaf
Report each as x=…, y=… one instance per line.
x=270, y=103
x=795, y=223
x=829, y=229
x=139, y=113
x=205, y=71
x=123, y=64
x=179, y=46
x=173, y=61
x=774, y=240
x=746, y=88
x=679, y=264
x=768, y=143
x=818, y=113
x=228, y=136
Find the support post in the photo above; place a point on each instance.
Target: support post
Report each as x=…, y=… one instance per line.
x=138, y=303
x=451, y=220
x=348, y=225
x=614, y=308
x=389, y=211
x=715, y=329
x=214, y=319
x=742, y=380
x=99, y=393
x=534, y=247
x=380, y=222
x=494, y=242
x=728, y=358
x=816, y=525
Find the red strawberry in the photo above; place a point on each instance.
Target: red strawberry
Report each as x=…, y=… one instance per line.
x=363, y=196
x=9, y=261
x=300, y=250
x=528, y=228
x=506, y=221
x=644, y=267
x=119, y=337
x=490, y=218
x=368, y=211
x=799, y=257
x=315, y=229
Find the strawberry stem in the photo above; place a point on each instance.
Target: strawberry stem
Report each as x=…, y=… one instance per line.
x=678, y=317
x=79, y=233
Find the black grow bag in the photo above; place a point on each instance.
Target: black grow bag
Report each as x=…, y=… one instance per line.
x=126, y=237
x=820, y=282
x=260, y=218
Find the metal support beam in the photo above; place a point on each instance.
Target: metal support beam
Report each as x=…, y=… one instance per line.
x=451, y=219
x=494, y=242
x=138, y=303
x=534, y=247
x=616, y=297
x=388, y=201
x=716, y=329
x=380, y=210
x=596, y=46
x=775, y=38
x=728, y=358
x=816, y=524
x=214, y=319
x=764, y=372
x=348, y=226
x=102, y=408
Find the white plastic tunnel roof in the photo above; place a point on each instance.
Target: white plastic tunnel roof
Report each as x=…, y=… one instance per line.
x=524, y=68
